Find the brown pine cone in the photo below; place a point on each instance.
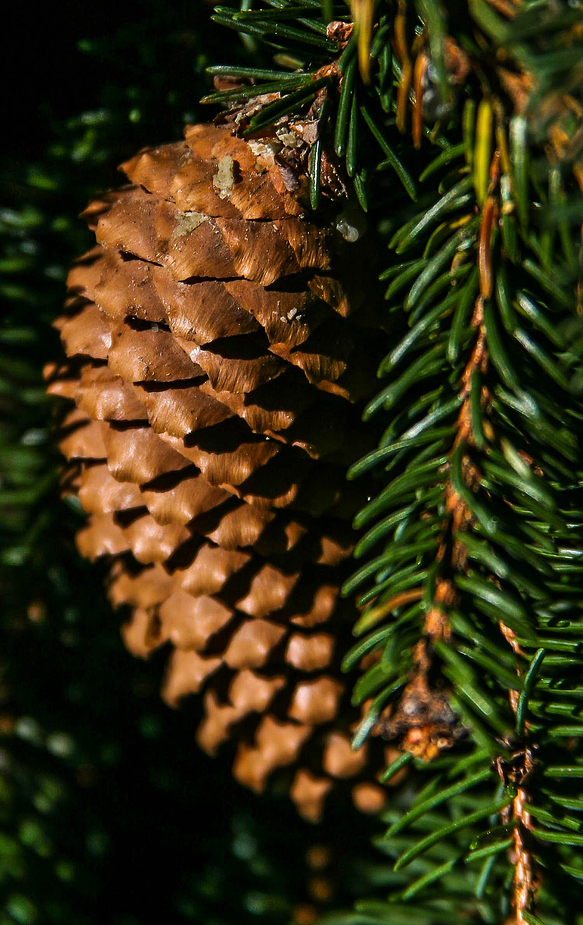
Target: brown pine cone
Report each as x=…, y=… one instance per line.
x=220, y=348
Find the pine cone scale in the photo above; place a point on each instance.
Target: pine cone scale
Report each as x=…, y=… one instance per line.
x=210, y=359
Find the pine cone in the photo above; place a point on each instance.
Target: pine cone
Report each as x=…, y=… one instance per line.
x=220, y=347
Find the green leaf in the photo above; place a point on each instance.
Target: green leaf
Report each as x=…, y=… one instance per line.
x=354, y=655
x=430, y=877
x=531, y=918
x=542, y=815
x=271, y=113
x=245, y=92
x=460, y=240
x=419, y=809
x=352, y=140
x=540, y=320
x=402, y=761
x=519, y=157
x=576, y=872
x=360, y=189
x=508, y=221
x=461, y=674
x=566, y=299
x=412, y=480
x=392, y=159
x=487, y=520
x=532, y=486
x=505, y=605
x=443, y=159
x=462, y=317
x=447, y=203
x=315, y=157
x=489, y=850
x=225, y=70
x=498, y=353
x=417, y=331
x=557, y=838
x=481, y=734
x=501, y=675
x=283, y=33
x=373, y=712
x=368, y=684
x=542, y=358
x=344, y=104
x=432, y=359
x=529, y=682
x=454, y=828
x=563, y=772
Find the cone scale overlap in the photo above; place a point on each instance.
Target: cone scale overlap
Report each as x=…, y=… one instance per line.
x=220, y=347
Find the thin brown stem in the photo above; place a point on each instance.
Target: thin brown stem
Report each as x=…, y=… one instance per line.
x=518, y=771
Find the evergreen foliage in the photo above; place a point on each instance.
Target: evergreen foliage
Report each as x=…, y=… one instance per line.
x=457, y=128
x=469, y=570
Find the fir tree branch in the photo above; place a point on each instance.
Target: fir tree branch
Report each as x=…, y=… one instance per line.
x=485, y=355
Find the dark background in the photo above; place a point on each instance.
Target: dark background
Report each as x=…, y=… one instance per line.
x=47, y=77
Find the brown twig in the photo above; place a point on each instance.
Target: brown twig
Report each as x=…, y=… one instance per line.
x=423, y=714
x=517, y=771
x=419, y=71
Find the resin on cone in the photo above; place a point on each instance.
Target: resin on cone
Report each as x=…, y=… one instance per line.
x=220, y=345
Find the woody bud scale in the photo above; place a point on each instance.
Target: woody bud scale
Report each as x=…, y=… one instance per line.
x=220, y=346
